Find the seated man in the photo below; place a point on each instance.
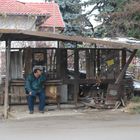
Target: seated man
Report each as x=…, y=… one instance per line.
x=34, y=86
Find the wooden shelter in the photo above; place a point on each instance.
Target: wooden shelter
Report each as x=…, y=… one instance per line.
x=67, y=68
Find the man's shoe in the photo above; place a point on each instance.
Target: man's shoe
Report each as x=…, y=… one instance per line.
x=41, y=111
x=31, y=112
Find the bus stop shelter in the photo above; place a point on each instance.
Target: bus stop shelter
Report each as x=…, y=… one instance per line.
x=9, y=35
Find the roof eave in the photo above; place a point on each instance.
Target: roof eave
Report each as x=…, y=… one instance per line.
x=24, y=35
x=24, y=14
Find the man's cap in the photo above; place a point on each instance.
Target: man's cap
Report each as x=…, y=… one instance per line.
x=37, y=68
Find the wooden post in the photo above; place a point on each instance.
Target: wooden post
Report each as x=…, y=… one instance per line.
x=58, y=63
x=61, y=63
x=6, y=96
x=98, y=61
x=28, y=61
x=58, y=44
x=92, y=64
x=123, y=58
x=125, y=67
x=76, y=70
x=87, y=64
x=64, y=63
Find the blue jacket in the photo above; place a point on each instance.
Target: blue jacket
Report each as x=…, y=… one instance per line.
x=33, y=84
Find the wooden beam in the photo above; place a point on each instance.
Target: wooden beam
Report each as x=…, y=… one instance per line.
x=24, y=35
x=6, y=96
x=92, y=64
x=58, y=63
x=1, y=35
x=120, y=77
x=76, y=75
x=88, y=64
x=98, y=62
x=123, y=58
x=58, y=44
x=76, y=63
x=76, y=91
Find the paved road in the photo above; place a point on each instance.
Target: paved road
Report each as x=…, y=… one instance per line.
x=87, y=126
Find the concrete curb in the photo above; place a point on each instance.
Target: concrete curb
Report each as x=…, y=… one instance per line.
x=26, y=115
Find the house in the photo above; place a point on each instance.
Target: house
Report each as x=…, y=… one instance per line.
x=55, y=21
x=29, y=16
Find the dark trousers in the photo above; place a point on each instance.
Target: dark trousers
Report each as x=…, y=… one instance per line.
x=31, y=99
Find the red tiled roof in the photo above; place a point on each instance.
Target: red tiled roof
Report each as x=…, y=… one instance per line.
x=13, y=7
x=55, y=18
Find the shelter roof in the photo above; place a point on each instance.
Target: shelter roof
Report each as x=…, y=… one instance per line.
x=24, y=35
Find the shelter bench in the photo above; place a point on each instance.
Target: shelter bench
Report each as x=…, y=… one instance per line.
x=17, y=94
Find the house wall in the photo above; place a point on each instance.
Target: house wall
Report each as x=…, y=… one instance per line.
x=2, y=62
x=17, y=22
x=16, y=65
x=23, y=23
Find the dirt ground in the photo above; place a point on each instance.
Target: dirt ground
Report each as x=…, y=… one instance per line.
x=71, y=124
x=20, y=112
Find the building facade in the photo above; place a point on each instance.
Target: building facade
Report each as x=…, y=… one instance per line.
x=28, y=16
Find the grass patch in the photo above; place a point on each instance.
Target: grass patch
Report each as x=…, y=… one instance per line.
x=135, y=99
x=135, y=109
x=134, y=106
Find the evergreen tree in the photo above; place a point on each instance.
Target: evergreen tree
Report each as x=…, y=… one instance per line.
x=120, y=18
x=126, y=19
x=76, y=22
